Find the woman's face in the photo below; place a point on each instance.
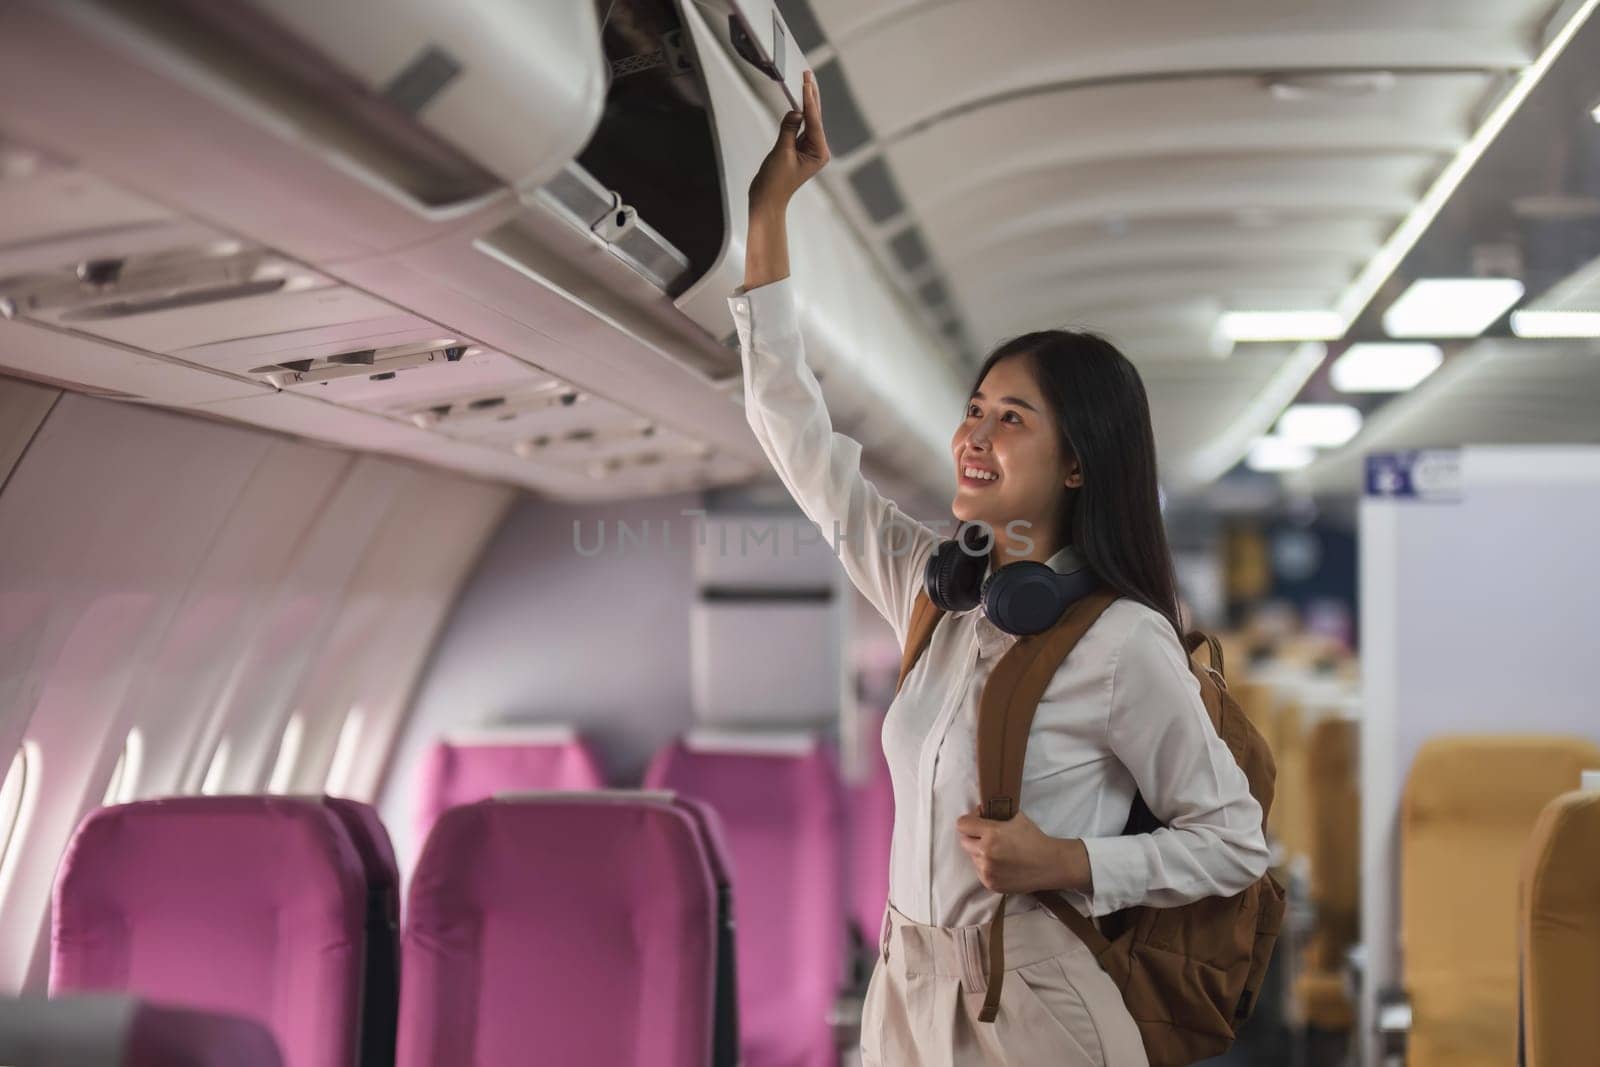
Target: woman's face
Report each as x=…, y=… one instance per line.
x=1008, y=456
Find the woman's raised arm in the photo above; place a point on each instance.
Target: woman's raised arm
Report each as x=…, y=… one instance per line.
x=883, y=551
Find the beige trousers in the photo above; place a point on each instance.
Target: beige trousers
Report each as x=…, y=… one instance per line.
x=1057, y=1007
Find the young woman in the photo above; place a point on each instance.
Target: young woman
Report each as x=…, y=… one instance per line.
x=1055, y=455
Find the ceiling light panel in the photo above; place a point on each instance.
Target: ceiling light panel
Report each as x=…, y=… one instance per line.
x=1320, y=425
x=1273, y=454
x=1542, y=323
x=1384, y=368
x=1450, y=307
x=1281, y=325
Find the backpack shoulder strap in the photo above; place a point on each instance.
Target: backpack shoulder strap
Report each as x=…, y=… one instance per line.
x=1010, y=698
x=925, y=615
x=1195, y=638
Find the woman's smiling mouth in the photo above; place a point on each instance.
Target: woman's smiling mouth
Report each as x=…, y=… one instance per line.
x=978, y=476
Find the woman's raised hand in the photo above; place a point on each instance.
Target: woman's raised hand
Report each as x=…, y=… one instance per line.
x=795, y=159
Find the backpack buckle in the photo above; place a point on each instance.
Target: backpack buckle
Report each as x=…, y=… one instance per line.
x=999, y=809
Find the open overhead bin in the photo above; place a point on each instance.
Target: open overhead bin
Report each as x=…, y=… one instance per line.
x=674, y=152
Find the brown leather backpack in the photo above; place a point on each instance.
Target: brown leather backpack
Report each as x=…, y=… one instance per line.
x=1189, y=975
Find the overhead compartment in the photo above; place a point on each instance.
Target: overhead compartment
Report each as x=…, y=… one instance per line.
x=437, y=104
x=885, y=376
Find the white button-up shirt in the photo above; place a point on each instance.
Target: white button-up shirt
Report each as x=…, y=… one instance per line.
x=1123, y=712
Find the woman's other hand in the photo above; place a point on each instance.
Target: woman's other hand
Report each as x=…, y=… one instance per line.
x=795, y=159
x=1015, y=856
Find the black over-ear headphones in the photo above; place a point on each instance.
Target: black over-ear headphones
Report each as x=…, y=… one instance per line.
x=1025, y=597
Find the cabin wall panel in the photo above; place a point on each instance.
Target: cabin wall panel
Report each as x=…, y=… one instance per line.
x=106, y=515
x=192, y=579
x=258, y=697
x=546, y=633
x=223, y=608
x=375, y=652
x=23, y=407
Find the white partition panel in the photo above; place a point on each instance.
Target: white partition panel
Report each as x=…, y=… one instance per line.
x=1478, y=594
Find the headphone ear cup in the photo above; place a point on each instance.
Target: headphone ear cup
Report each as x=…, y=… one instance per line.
x=1018, y=598
x=952, y=577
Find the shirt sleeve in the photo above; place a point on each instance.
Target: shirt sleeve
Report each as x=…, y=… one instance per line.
x=1212, y=843
x=882, y=550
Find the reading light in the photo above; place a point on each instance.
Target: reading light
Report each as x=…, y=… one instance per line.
x=1272, y=454
x=1450, y=307
x=1384, y=368
x=1320, y=425
x=1281, y=325
x=1555, y=323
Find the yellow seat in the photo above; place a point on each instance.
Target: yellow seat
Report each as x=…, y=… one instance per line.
x=1561, y=934
x=1470, y=806
x=1333, y=822
x=1287, y=738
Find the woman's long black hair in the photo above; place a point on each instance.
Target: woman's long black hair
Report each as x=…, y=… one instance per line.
x=1103, y=417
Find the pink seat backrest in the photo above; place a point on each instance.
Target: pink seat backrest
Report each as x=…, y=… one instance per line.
x=781, y=816
x=381, y=994
x=248, y=906
x=373, y=848
x=560, y=930
x=455, y=773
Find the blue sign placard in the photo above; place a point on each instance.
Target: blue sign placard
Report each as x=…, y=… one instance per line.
x=1418, y=474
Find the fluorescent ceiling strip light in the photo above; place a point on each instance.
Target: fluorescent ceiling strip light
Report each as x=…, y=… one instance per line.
x=1217, y=458
x=1270, y=455
x=1450, y=307
x=1536, y=323
x=1383, y=368
x=1406, y=235
x=1320, y=425
x=1281, y=325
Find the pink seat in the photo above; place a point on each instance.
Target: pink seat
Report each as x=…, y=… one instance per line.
x=781, y=815
x=725, y=1041
x=459, y=772
x=561, y=929
x=248, y=906
x=380, y=1002
x=125, y=1032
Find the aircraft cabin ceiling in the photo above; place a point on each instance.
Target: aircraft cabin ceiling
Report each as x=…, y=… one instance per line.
x=1139, y=169
x=498, y=237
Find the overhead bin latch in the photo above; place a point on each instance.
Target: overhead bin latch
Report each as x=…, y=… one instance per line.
x=616, y=223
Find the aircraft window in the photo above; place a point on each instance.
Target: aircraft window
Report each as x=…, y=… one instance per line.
x=288, y=754
x=344, y=754
x=216, y=769
x=13, y=791
x=124, y=783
